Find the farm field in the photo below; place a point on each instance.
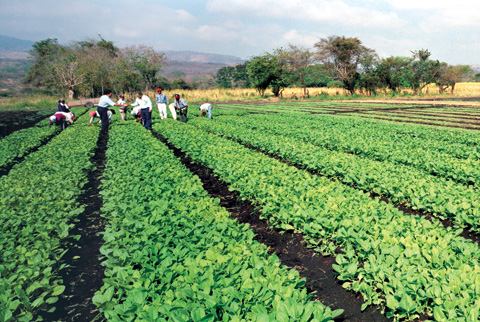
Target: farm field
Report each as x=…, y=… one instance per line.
x=289, y=211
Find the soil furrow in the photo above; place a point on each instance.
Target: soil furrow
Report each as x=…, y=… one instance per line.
x=84, y=275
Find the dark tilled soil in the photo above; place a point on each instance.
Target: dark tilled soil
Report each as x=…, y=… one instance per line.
x=84, y=275
x=11, y=121
x=289, y=247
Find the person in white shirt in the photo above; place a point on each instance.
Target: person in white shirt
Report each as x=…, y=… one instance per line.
x=145, y=108
x=122, y=109
x=206, y=108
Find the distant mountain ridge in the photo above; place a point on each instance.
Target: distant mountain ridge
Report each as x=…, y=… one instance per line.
x=197, y=57
x=15, y=44
x=11, y=47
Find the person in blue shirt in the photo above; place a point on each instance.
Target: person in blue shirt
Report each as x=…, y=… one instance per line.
x=162, y=101
x=102, y=109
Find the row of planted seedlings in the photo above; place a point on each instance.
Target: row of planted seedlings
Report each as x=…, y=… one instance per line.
x=173, y=254
x=38, y=208
x=399, y=183
x=405, y=264
x=458, y=162
x=424, y=116
x=410, y=120
x=21, y=142
x=457, y=142
x=382, y=140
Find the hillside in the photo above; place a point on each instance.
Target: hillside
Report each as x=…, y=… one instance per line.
x=15, y=44
x=196, y=57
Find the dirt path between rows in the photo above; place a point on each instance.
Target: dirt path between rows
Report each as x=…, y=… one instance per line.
x=85, y=274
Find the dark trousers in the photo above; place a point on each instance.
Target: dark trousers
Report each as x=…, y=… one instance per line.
x=147, y=118
x=104, y=118
x=183, y=115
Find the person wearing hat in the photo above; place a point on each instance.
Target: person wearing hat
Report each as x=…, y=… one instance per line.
x=94, y=114
x=182, y=107
x=102, y=109
x=145, y=108
x=205, y=108
x=122, y=109
x=162, y=102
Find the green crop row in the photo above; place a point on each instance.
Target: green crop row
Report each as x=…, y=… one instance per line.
x=374, y=142
x=403, y=263
x=399, y=183
x=434, y=124
x=173, y=254
x=19, y=143
x=37, y=208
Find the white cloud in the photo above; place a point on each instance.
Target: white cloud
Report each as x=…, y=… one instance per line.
x=301, y=39
x=326, y=11
x=433, y=5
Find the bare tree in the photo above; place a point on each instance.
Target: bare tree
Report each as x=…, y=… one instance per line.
x=68, y=75
x=298, y=60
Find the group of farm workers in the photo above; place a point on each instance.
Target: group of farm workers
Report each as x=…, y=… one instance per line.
x=142, y=110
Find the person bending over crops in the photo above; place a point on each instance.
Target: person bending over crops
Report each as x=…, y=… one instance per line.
x=61, y=119
x=145, y=104
x=94, y=114
x=162, y=101
x=205, y=108
x=182, y=107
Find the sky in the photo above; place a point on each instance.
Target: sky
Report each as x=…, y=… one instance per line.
x=450, y=30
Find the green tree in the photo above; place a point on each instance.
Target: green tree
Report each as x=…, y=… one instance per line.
x=423, y=70
x=233, y=77
x=369, y=79
x=146, y=61
x=42, y=55
x=393, y=72
x=179, y=83
x=267, y=71
x=450, y=75
x=343, y=57
x=240, y=76
x=225, y=78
